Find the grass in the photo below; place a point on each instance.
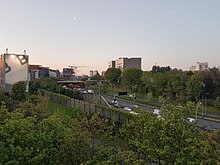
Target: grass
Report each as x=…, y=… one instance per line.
x=58, y=108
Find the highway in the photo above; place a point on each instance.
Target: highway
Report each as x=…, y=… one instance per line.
x=202, y=122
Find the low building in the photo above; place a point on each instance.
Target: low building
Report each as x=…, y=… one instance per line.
x=54, y=73
x=38, y=71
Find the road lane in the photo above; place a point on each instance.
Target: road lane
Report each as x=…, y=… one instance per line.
x=206, y=123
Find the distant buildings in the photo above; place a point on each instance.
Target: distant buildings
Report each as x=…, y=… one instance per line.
x=93, y=73
x=199, y=67
x=68, y=73
x=125, y=63
x=13, y=68
x=111, y=64
x=38, y=71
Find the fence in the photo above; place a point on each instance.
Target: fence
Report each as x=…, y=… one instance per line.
x=91, y=106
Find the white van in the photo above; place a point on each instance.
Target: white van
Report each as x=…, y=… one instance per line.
x=156, y=111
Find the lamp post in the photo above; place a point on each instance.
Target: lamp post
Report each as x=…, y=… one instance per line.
x=206, y=101
x=164, y=104
x=197, y=108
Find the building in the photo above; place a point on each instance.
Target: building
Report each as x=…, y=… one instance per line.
x=13, y=68
x=200, y=66
x=127, y=63
x=38, y=71
x=54, y=73
x=111, y=64
x=93, y=73
x=68, y=73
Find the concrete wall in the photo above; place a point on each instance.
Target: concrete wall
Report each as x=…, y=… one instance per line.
x=89, y=108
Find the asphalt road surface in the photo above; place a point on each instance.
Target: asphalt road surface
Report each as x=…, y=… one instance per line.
x=206, y=123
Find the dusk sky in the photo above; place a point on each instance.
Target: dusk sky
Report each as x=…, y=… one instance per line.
x=59, y=33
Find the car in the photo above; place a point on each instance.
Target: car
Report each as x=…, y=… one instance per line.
x=130, y=96
x=90, y=91
x=135, y=106
x=208, y=129
x=156, y=111
x=132, y=112
x=190, y=119
x=127, y=108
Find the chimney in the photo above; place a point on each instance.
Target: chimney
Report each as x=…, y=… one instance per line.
x=6, y=50
x=24, y=52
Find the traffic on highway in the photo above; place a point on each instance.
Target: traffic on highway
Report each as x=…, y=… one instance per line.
x=131, y=106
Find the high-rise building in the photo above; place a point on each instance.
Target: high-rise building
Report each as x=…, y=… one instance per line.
x=200, y=66
x=13, y=68
x=91, y=73
x=111, y=64
x=127, y=63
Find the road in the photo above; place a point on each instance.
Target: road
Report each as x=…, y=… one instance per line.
x=124, y=103
x=206, y=123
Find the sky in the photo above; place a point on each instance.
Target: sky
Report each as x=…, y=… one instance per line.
x=90, y=33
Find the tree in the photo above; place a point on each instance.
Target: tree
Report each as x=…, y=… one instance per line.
x=169, y=140
x=113, y=75
x=132, y=77
x=18, y=91
x=195, y=86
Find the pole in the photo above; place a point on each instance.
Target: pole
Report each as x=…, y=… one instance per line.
x=202, y=104
x=197, y=109
x=206, y=101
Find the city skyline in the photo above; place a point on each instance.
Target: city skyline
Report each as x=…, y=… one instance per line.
x=90, y=33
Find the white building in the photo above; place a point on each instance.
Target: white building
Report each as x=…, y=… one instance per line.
x=127, y=63
x=200, y=66
x=13, y=68
x=93, y=73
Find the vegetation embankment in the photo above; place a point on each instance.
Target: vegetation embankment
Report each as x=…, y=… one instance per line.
x=37, y=131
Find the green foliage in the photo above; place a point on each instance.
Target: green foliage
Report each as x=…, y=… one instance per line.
x=195, y=87
x=132, y=77
x=162, y=69
x=42, y=132
x=18, y=91
x=171, y=140
x=149, y=96
x=217, y=102
x=112, y=75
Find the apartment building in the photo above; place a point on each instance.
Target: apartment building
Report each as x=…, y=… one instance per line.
x=127, y=63
x=200, y=66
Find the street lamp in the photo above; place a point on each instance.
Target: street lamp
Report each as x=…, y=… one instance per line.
x=206, y=101
x=164, y=104
x=197, y=108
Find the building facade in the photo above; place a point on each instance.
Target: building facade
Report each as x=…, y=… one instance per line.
x=111, y=64
x=38, y=71
x=200, y=66
x=127, y=63
x=13, y=68
x=93, y=73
